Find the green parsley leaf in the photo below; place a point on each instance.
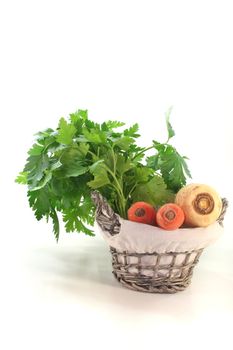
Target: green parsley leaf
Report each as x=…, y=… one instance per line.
x=35, y=167
x=45, y=134
x=124, y=142
x=153, y=162
x=56, y=226
x=122, y=164
x=78, y=119
x=39, y=202
x=142, y=174
x=66, y=132
x=132, y=131
x=153, y=192
x=173, y=167
x=170, y=130
x=100, y=175
x=77, y=168
x=111, y=124
x=36, y=150
x=40, y=184
x=55, y=164
x=73, y=161
x=22, y=178
x=80, y=114
x=74, y=223
x=94, y=136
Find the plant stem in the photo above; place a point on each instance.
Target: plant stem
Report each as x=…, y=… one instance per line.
x=146, y=149
x=131, y=191
x=114, y=160
x=93, y=154
x=122, y=200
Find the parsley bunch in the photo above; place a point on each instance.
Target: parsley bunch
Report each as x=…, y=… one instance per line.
x=64, y=165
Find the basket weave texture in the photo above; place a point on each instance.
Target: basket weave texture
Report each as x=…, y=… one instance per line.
x=156, y=278
x=168, y=272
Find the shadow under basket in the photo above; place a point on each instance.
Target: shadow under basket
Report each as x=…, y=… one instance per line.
x=168, y=272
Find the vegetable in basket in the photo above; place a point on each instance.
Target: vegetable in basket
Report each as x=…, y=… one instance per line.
x=67, y=163
x=202, y=205
x=142, y=212
x=170, y=216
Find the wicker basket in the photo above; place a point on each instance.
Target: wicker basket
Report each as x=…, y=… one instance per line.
x=133, y=270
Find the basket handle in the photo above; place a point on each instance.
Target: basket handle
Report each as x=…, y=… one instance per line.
x=223, y=212
x=104, y=215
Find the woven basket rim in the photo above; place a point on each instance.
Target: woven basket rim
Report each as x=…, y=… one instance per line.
x=105, y=213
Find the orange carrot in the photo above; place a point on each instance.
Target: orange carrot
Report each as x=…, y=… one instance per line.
x=142, y=212
x=170, y=216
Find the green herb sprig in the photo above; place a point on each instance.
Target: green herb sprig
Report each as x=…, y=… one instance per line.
x=65, y=164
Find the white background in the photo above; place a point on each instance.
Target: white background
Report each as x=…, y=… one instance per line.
x=127, y=60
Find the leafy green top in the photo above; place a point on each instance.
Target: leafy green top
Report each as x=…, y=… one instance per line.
x=66, y=164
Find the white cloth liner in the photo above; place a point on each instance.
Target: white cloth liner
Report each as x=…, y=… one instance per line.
x=141, y=238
